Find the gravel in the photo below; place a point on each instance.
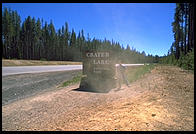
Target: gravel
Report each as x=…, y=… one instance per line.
x=16, y=87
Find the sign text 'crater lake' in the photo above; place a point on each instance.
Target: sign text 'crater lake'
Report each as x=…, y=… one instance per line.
x=95, y=55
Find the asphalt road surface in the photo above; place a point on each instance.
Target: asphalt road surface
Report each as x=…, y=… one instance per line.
x=38, y=69
x=16, y=87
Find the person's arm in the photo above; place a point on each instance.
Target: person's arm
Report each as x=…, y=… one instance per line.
x=124, y=67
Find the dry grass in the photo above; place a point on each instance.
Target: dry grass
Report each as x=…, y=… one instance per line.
x=6, y=62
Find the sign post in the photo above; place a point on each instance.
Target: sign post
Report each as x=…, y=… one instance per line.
x=98, y=71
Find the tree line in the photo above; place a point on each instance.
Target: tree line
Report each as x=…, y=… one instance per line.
x=181, y=52
x=37, y=40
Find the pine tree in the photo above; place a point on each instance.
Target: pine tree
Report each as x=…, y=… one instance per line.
x=191, y=27
x=39, y=46
x=52, y=42
x=35, y=40
x=66, y=41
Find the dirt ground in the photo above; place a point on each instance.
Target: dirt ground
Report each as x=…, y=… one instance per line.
x=160, y=100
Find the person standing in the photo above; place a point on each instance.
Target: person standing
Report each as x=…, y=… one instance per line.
x=121, y=75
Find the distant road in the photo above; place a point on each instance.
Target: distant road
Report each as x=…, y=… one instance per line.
x=40, y=69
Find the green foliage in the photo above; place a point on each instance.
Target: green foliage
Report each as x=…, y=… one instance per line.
x=181, y=52
x=43, y=59
x=135, y=73
x=187, y=61
x=170, y=59
x=76, y=79
x=184, y=61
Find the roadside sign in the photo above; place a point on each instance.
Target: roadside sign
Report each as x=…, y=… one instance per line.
x=99, y=71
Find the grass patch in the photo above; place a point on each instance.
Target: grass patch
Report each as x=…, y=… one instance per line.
x=133, y=73
x=74, y=80
x=136, y=72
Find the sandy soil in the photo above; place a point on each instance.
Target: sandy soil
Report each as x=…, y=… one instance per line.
x=160, y=100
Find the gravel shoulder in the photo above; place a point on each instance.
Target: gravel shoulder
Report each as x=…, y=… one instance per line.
x=16, y=87
x=160, y=100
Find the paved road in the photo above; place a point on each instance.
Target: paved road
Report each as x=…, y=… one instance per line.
x=38, y=69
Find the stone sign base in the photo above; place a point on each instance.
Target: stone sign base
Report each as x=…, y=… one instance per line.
x=96, y=84
x=98, y=71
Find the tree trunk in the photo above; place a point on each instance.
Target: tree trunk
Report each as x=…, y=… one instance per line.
x=191, y=27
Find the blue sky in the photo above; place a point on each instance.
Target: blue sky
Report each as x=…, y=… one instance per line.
x=144, y=26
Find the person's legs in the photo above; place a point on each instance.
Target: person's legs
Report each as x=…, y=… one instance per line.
x=119, y=78
x=119, y=84
x=119, y=81
x=125, y=79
